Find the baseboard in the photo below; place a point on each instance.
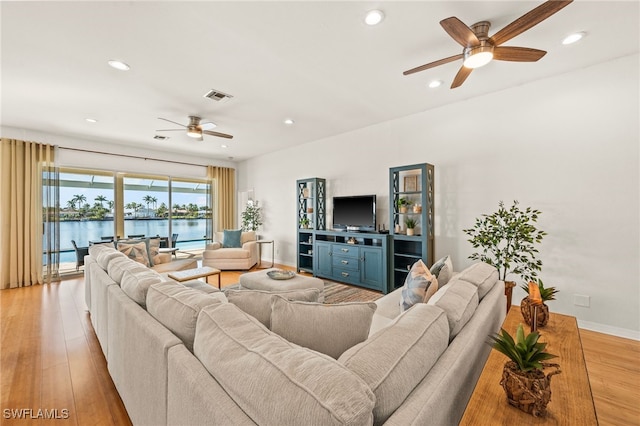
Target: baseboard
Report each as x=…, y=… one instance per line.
x=608, y=329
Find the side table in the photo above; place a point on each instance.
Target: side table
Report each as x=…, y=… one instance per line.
x=260, y=244
x=193, y=274
x=571, y=399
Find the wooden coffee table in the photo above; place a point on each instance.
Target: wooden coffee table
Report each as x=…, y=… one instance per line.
x=193, y=274
x=571, y=400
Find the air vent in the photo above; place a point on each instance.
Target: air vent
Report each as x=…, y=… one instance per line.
x=217, y=96
x=160, y=138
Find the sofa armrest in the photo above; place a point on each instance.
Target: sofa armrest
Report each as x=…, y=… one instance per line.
x=213, y=246
x=250, y=245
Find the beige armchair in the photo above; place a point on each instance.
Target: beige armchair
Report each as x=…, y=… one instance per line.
x=225, y=258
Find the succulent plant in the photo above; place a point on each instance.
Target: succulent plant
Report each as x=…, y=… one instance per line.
x=525, y=351
x=410, y=222
x=546, y=293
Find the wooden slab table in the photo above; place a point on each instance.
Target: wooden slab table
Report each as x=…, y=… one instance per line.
x=571, y=400
x=193, y=274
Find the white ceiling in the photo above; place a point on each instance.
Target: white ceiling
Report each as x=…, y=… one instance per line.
x=315, y=62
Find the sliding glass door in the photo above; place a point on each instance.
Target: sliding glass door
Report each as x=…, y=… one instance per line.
x=146, y=206
x=190, y=212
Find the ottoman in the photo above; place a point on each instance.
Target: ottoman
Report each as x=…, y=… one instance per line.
x=260, y=281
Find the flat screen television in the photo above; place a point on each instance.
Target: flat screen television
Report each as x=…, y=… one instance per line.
x=354, y=213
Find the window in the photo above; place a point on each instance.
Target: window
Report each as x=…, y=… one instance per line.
x=146, y=206
x=190, y=212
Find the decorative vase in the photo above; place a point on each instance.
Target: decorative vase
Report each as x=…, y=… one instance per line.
x=309, y=209
x=417, y=208
x=403, y=209
x=529, y=391
x=305, y=192
x=410, y=231
x=527, y=310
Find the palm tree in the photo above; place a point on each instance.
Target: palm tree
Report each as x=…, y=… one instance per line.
x=147, y=199
x=101, y=199
x=111, y=203
x=154, y=200
x=79, y=199
x=71, y=204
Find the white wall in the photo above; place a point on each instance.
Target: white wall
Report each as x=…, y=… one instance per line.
x=566, y=145
x=171, y=166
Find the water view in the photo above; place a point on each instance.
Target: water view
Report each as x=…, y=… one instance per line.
x=190, y=232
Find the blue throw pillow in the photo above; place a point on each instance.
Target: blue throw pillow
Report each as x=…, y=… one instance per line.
x=231, y=238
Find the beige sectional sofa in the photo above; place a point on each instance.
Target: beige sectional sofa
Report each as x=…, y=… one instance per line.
x=184, y=356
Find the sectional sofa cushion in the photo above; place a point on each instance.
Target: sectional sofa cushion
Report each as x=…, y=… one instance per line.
x=106, y=256
x=329, y=329
x=395, y=359
x=442, y=270
x=459, y=301
x=276, y=382
x=95, y=249
x=257, y=303
x=135, y=283
x=177, y=307
x=418, y=287
x=153, y=247
x=136, y=250
x=482, y=275
x=116, y=268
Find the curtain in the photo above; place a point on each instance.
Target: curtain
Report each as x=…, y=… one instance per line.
x=22, y=218
x=224, y=207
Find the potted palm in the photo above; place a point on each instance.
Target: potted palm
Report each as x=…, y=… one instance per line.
x=304, y=222
x=523, y=378
x=508, y=240
x=546, y=293
x=411, y=225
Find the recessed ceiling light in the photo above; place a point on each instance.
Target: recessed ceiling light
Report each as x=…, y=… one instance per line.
x=119, y=65
x=224, y=146
x=288, y=121
x=435, y=83
x=572, y=38
x=90, y=120
x=374, y=17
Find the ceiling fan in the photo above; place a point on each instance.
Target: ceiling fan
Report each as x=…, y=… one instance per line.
x=479, y=49
x=195, y=129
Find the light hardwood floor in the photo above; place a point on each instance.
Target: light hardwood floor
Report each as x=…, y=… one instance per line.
x=50, y=359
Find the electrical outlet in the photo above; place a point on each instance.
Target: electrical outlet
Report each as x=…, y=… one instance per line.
x=581, y=300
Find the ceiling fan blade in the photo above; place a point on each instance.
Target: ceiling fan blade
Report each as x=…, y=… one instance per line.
x=170, y=130
x=528, y=20
x=433, y=64
x=218, y=134
x=160, y=118
x=461, y=77
x=517, y=54
x=460, y=32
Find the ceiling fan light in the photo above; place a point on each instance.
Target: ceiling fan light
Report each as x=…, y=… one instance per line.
x=479, y=56
x=194, y=133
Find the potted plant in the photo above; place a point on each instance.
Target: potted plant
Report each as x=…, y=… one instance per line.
x=411, y=224
x=403, y=204
x=251, y=217
x=507, y=239
x=546, y=293
x=523, y=378
x=304, y=222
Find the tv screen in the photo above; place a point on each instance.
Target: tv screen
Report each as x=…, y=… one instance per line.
x=355, y=212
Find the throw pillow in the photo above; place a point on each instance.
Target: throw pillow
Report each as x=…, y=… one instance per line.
x=394, y=360
x=273, y=381
x=329, y=329
x=442, y=270
x=231, y=238
x=135, y=250
x=418, y=287
x=257, y=303
x=154, y=250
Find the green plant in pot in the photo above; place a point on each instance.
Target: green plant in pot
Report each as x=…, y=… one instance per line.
x=546, y=293
x=411, y=224
x=403, y=204
x=251, y=216
x=508, y=239
x=304, y=222
x=523, y=378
